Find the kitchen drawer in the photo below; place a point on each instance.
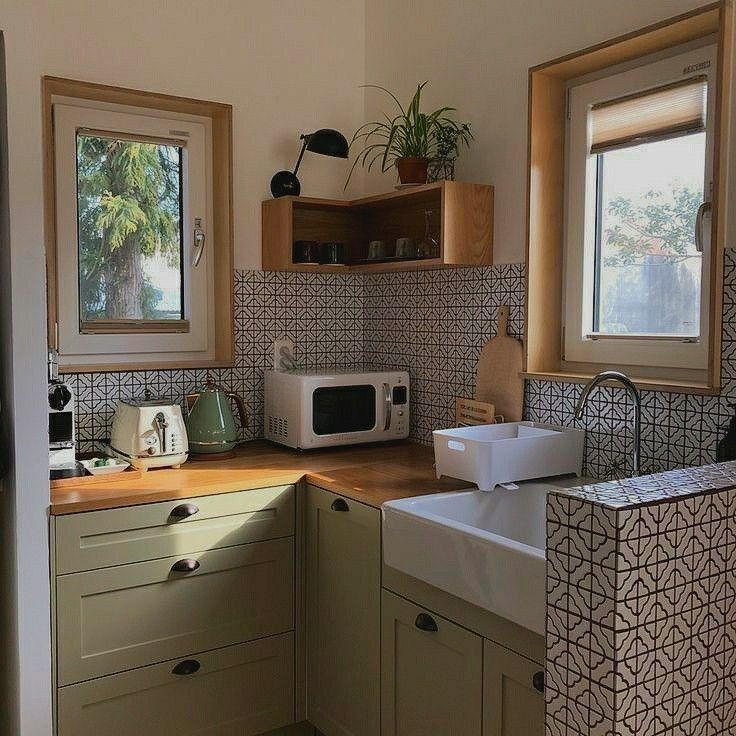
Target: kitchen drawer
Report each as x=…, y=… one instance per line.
x=123, y=617
x=237, y=691
x=95, y=539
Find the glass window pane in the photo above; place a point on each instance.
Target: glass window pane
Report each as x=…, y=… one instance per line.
x=648, y=269
x=129, y=225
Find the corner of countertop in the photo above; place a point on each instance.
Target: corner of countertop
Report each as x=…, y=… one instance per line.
x=644, y=490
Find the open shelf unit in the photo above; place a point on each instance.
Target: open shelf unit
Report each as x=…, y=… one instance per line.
x=462, y=219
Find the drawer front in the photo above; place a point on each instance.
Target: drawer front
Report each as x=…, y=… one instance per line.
x=124, y=617
x=97, y=539
x=237, y=691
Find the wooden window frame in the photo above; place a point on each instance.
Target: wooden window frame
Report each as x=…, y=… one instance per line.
x=220, y=231
x=543, y=352
x=668, y=354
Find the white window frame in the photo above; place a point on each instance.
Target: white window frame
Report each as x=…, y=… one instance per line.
x=580, y=209
x=78, y=348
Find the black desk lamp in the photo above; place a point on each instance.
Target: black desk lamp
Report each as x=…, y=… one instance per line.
x=326, y=141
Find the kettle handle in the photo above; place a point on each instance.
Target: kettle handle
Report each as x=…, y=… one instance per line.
x=242, y=413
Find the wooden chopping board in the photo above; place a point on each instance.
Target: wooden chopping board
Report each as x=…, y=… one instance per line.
x=497, y=375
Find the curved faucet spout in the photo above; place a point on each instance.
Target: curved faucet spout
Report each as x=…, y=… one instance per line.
x=628, y=384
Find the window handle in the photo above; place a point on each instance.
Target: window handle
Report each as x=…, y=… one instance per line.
x=699, y=217
x=199, y=238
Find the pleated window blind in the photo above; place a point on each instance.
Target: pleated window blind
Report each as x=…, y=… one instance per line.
x=653, y=115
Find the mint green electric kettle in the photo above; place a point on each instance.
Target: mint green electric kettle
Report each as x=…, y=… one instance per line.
x=210, y=423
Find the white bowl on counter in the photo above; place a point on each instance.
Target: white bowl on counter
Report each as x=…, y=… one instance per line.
x=112, y=466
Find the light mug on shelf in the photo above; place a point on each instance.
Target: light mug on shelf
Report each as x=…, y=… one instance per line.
x=405, y=248
x=376, y=250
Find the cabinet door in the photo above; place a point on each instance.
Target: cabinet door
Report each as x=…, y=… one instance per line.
x=235, y=691
x=512, y=703
x=122, y=617
x=343, y=615
x=432, y=669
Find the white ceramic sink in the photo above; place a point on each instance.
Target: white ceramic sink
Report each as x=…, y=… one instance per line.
x=487, y=548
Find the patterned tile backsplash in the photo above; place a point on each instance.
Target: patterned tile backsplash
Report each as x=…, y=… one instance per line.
x=433, y=323
x=641, y=604
x=322, y=313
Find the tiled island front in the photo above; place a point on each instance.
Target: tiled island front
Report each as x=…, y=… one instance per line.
x=641, y=606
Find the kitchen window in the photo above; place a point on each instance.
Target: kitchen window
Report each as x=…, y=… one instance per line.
x=137, y=274
x=639, y=185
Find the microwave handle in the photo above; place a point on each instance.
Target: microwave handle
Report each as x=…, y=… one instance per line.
x=387, y=405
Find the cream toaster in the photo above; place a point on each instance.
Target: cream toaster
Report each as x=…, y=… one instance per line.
x=149, y=433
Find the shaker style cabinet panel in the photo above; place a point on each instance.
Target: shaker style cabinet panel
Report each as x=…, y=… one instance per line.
x=95, y=539
x=343, y=590
x=122, y=617
x=432, y=669
x=513, y=699
x=236, y=691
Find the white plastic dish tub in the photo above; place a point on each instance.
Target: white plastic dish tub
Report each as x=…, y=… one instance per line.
x=491, y=454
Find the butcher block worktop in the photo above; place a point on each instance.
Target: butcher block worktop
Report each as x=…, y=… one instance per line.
x=371, y=474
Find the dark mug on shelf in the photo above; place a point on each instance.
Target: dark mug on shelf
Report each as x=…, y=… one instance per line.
x=306, y=251
x=333, y=254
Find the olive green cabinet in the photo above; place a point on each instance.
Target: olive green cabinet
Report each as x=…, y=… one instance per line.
x=513, y=703
x=432, y=673
x=343, y=600
x=177, y=618
x=208, y=616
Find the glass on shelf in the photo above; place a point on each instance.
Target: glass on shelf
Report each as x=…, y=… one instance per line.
x=429, y=245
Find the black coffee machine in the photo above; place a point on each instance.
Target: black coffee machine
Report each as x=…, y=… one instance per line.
x=62, y=427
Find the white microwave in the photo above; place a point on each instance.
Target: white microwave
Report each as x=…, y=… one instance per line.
x=307, y=409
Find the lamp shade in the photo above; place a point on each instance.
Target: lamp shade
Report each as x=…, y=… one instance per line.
x=328, y=142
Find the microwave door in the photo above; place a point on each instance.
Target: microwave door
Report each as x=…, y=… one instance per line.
x=344, y=409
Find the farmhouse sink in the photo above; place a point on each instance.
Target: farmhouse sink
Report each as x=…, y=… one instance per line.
x=487, y=548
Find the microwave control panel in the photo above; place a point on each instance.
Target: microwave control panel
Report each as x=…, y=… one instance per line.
x=399, y=399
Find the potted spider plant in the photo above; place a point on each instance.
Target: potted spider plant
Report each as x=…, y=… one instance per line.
x=409, y=139
x=449, y=142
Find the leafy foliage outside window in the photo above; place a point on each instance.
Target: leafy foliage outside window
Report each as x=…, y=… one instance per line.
x=650, y=272
x=665, y=221
x=129, y=229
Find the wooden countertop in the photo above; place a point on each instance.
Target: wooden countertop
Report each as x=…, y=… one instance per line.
x=371, y=474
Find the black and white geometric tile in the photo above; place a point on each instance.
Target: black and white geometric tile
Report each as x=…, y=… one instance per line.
x=678, y=430
x=321, y=313
x=641, y=606
x=433, y=324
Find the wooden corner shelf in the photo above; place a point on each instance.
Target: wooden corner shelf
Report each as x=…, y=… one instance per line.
x=462, y=216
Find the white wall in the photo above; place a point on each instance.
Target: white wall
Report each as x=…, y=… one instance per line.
x=8, y=578
x=287, y=67
x=23, y=363
x=476, y=54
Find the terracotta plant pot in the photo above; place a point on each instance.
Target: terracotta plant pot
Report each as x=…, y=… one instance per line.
x=412, y=169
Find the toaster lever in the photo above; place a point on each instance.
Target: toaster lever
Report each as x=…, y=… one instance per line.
x=161, y=425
